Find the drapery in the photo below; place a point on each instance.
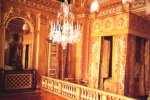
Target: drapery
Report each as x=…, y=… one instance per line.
x=105, y=62
x=137, y=70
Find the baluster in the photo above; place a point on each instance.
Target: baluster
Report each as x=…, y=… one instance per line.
x=82, y=94
x=108, y=97
x=90, y=95
x=94, y=95
x=75, y=93
x=103, y=97
x=65, y=89
x=78, y=93
x=46, y=84
x=52, y=85
x=71, y=92
x=113, y=98
x=87, y=94
x=43, y=83
x=57, y=87
x=117, y=98
x=62, y=89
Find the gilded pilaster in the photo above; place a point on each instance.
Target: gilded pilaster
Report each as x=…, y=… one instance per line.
x=2, y=46
x=36, y=41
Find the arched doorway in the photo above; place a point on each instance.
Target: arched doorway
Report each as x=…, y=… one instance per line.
x=18, y=44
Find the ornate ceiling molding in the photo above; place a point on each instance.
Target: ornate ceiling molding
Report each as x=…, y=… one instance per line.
x=47, y=5
x=111, y=9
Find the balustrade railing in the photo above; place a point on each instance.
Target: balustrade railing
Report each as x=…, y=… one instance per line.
x=73, y=91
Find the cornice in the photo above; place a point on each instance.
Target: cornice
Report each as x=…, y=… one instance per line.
x=52, y=8
x=111, y=9
x=46, y=5
x=117, y=7
x=137, y=4
x=107, y=9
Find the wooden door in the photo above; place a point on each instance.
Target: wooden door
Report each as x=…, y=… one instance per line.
x=53, y=60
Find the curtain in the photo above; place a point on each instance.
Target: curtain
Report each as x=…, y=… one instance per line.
x=137, y=70
x=64, y=61
x=105, y=60
x=129, y=73
x=147, y=66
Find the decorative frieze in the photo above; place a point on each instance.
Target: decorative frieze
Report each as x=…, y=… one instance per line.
x=51, y=6
x=110, y=25
x=138, y=4
x=48, y=6
x=115, y=8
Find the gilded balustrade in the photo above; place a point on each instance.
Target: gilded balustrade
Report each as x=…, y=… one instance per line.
x=73, y=91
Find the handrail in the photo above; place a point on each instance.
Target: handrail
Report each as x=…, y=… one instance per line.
x=73, y=91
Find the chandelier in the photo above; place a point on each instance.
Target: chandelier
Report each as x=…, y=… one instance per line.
x=64, y=31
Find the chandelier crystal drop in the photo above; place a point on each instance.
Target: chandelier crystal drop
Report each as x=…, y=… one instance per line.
x=64, y=31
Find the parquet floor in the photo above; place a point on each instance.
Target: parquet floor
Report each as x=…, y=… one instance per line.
x=35, y=95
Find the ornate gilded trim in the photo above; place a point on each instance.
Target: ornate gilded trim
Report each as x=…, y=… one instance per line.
x=12, y=12
x=110, y=26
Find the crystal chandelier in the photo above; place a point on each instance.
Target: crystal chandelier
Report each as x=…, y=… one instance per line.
x=64, y=31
